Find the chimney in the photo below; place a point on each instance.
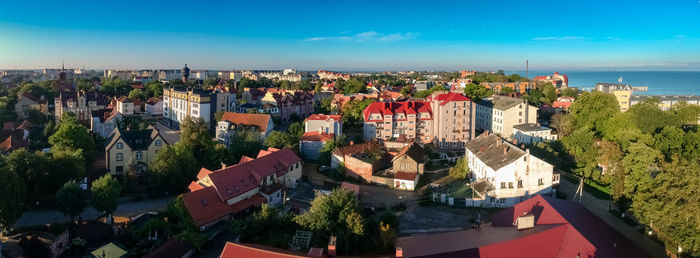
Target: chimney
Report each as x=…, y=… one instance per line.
x=499, y=142
x=223, y=165
x=399, y=252
x=505, y=150
x=487, y=133
x=528, y=151
x=515, y=142
x=320, y=130
x=352, y=142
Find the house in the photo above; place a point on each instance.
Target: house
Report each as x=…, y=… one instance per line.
x=533, y=133
x=363, y=165
x=329, y=124
x=232, y=122
x=516, y=87
x=79, y=103
x=13, y=137
x=504, y=174
x=339, y=154
x=563, y=103
x=340, y=100
x=407, y=166
x=311, y=144
x=540, y=226
x=27, y=101
x=103, y=121
x=250, y=183
x=234, y=250
x=498, y=114
x=556, y=79
x=132, y=149
x=445, y=119
x=125, y=106
x=154, y=106
x=423, y=85
x=289, y=103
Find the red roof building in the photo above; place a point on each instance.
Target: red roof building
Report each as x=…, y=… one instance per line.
x=563, y=103
x=556, y=79
x=561, y=229
x=233, y=250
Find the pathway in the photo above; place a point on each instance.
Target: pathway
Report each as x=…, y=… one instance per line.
x=600, y=208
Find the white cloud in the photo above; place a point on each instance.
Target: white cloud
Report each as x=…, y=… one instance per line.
x=367, y=36
x=564, y=38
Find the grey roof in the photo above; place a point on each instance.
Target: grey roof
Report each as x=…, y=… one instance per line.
x=531, y=127
x=135, y=139
x=666, y=97
x=501, y=102
x=490, y=151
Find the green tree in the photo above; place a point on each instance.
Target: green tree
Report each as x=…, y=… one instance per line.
x=194, y=238
x=137, y=94
x=352, y=113
x=105, y=192
x=460, y=170
x=425, y=93
x=562, y=123
x=406, y=90
x=70, y=199
x=72, y=135
x=330, y=146
x=174, y=167
x=594, y=110
x=534, y=97
x=581, y=145
x=279, y=140
x=337, y=214
x=477, y=92
x=32, y=168
x=12, y=195
x=196, y=136
x=569, y=92
x=506, y=90
x=154, y=89
x=550, y=93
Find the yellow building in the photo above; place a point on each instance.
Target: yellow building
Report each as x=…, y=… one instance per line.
x=132, y=150
x=623, y=98
x=179, y=103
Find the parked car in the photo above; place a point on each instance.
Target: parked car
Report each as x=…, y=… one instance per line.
x=323, y=168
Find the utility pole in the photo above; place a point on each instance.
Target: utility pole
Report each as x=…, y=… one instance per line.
x=579, y=191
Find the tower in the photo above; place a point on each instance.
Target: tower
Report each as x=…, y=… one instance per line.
x=185, y=73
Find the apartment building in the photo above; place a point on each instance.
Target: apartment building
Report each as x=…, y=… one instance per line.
x=318, y=130
x=453, y=119
x=231, y=123
x=666, y=101
x=533, y=133
x=180, y=102
x=623, y=93
x=498, y=114
x=506, y=174
x=132, y=149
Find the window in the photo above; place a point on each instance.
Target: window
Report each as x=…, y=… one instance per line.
x=159, y=142
x=520, y=183
x=503, y=185
x=120, y=169
x=120, y=146
x=540, y=181
x=120, y=157
x=139, y=155
x=510, y=185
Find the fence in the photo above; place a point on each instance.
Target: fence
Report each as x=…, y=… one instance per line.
x=462, y=202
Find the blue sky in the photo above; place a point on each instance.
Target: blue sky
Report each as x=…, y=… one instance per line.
x=352, y=35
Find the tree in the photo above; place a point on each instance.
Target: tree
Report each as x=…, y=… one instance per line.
x=279, y=140
x=195, y=135
x=194, y=238
x=70, y=199
x=330, y=146
x=569, y=92
x=12, y=195
x=549, y=92
x=352, y=112
x=72, y=135
x=507, y=90
x=460, y=170
x=562, y=123
x=337, y=214
x=425, y=93
x=406, y=90
x=137, y=94
x=173, y=167
x=154, y=89
x=477, y=92
x=594, y=110
x=388, y=236
x=105, y=192
x=32, y=168
x=535, y=97
x=580, y=144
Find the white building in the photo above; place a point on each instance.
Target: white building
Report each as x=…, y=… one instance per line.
x=498, y=114
x=533, y=133
x=505, y=174
x=154, y=106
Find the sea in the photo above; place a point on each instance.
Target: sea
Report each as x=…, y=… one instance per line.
x=658, y=82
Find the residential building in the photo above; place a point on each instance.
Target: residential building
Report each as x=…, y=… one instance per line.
x=666, y=102
x=340, y=100
x=124, y=75
x=235, y=122
x=504, y=174
x=563, y=103
x=498, y=114
x=328, y=75
x=339, y=154
x=250, y=183
x=329, y=124
x=13, y=136
x=540, y=226
x=169, y=75
x=533, y=133
x=465, y=73
x=290, y=103
x=179, y=103
x=231, y=75
x=132, y=149
x=517, y=87
x=622, y=92
x=444, y=119
x=154, y=106
x=318, y=130
x=253, y=96
x=79, y=103
x=423, y=85
x=407, y=166
x=103, y=121
x=236, y=250
x=27, y=101
x=125, y=106
x=556, y=79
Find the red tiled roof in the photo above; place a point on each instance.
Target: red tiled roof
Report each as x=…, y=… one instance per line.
x=390, y=108
x=194, y=186
x=324, y=117
x=317, y=137
x=233, y=250
x=14, y=141
x=403, y=175
x=245, y=159
x=259, y=120
x=448, y=97
x=203, y=173
x=205, y=206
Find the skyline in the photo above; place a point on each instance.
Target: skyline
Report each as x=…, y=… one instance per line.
x=353, y=36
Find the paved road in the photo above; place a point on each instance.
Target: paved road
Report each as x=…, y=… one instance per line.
x=600, y=208
x=30, y=218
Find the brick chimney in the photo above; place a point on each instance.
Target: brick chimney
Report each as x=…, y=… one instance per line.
x=223, y=165
x=352, y=142
x=505, y=150
x=399, y=252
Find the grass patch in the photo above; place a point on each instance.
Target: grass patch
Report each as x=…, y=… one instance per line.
x=599, y=191
x=459, y=189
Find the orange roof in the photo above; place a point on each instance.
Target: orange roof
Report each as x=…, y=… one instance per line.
x=194, y=186
x=402, y=175
x=324, y=117
x=233, y=250
x=205, y=206
x=245, y=159
x=317, y=137
x=203, y=173
x=259, y=120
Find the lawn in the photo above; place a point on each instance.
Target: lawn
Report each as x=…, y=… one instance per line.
x=460, y=189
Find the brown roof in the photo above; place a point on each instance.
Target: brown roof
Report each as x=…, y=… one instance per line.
x=489, y=149
x=414, y=151
x=357, y=148
x=233, y=250
x=317, y=137
x=403, y=175
x=259, y=120
x=13, y=142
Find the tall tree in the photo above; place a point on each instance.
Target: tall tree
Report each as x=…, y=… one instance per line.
x=550, y=93
x=593, y=110
x=195, y=135
x=476, y=92
x=105, y=192
x=137, y=94
x=72, y=135
x=70, y=199
x=174, y=167
x=12, y=195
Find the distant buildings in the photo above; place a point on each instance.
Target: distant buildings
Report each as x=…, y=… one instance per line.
x=465, y=73
x=504, y=173
x=103, y=121
x=180, y=102
x=517, y=87
x=250, y=183
x=444, y=119
x=498, y=114
x=132, y=150
x=289, y=103
x=231, y=123
x=328, y=75
x=666, y=101
x=423, y=85
x=556, y=79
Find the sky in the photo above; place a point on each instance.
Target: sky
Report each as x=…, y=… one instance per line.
x=352, y=35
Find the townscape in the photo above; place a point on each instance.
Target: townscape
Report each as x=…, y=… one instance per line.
x=160, y=158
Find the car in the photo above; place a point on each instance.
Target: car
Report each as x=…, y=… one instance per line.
x=323, y=168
